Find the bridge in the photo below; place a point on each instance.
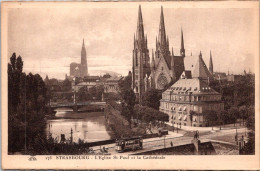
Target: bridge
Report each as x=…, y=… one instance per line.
x=77, y=105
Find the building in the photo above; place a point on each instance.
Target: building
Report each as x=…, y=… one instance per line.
x=87, y=82
x=80, y=70
x=141, y=59
x=234, y=78
x=111, y=84
x=191, y=93
x=165, y=66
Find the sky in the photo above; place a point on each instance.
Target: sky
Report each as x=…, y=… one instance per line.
x=49, y=39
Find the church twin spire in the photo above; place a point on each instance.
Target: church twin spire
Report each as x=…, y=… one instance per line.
x=140, y=38
x=162, y=34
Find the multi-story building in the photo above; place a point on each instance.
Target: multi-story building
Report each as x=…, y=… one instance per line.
x=111, y=84
x=187, y=99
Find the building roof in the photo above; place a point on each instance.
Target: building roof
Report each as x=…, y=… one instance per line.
x=194, y=86
x=197, y=66
x=91, y=78
x=114, y=78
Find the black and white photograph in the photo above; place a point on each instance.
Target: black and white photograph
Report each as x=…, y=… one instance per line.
x=129, y=80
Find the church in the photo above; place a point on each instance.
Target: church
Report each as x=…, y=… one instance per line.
x=164, y=67
x=80, y=70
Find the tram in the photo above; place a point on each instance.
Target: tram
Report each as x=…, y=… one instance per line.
x=133, y=143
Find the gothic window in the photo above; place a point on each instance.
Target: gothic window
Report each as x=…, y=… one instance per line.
x=162, y=81
x=136, y=60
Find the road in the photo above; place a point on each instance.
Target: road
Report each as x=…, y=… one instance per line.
x=177, y=140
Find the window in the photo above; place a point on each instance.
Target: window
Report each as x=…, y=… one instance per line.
x=185, y=118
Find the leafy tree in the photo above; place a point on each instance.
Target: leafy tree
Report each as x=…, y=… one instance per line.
x=243, y=112
x=250, y=123
x=66, y=85
x=26, y=107
x=234, y=114
x=152, y=98
x=211, y=117
x=128, y=96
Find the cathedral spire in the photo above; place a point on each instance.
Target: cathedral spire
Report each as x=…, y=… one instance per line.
x=140, y=29
x=83, y=54
x=210, y=64
x=162, y=34
x=182, y=50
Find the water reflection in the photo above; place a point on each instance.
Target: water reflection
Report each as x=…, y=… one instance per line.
x=87, y=126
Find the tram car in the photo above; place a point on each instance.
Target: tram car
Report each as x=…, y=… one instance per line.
x=125, y=144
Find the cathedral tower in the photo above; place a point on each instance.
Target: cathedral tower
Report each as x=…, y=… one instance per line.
x=84, y=67
x=141, y=60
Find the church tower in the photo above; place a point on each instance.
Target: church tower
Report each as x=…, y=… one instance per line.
x=141, y=60
x=84, y=66
x=210, y=64
x=162, y=44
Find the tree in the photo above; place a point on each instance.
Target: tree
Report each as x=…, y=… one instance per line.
x=129, y=98
x=66, y=85
x=243, y=113
x=26, y=107
x=128, y=95
x=234, y=114
x=151, y=98
x=211, y=117
x=250, y=123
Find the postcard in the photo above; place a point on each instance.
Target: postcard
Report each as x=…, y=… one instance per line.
x=130, y=85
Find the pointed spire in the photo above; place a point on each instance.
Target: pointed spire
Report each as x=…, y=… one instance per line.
x=140, y=28
x=182, y=51
x=172, y=52
x=200, y=54
x=210, y=64
x=162, y=34
x=83, y=54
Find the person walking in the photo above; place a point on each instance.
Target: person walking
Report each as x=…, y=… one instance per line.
x=171, y=144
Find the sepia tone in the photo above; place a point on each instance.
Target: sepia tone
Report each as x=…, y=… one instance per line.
x=130, y=85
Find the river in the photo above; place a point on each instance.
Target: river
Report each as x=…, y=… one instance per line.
x=87, y=126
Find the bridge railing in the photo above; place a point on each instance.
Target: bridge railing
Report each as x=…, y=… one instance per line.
x=78, y=104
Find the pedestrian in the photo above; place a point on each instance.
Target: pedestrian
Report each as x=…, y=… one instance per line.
x=171, y=144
